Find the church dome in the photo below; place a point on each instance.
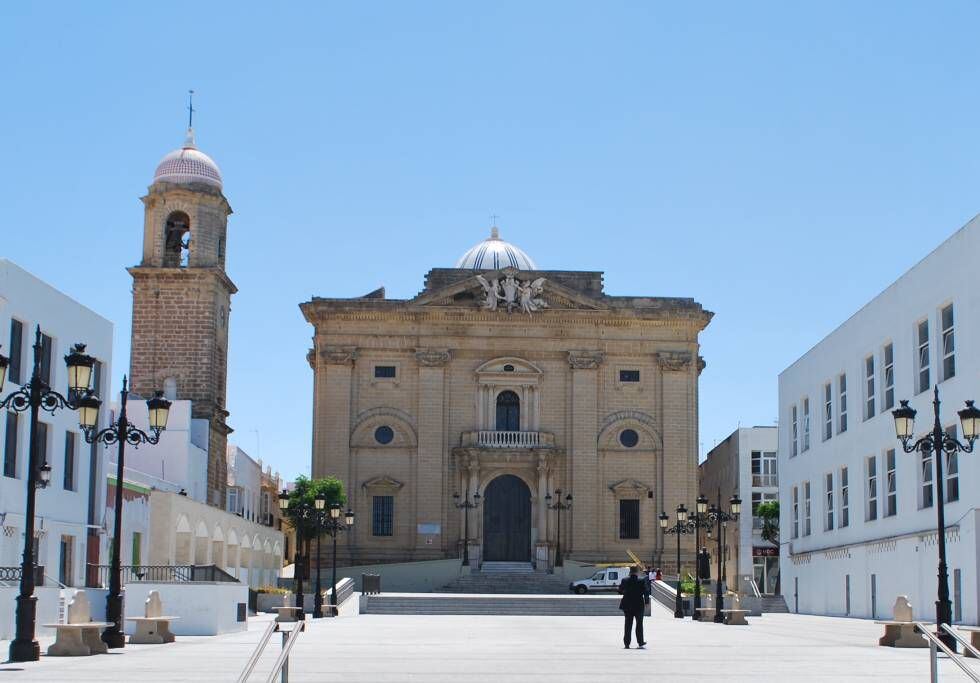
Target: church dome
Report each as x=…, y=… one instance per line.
x=188, y=165
x=493, y=253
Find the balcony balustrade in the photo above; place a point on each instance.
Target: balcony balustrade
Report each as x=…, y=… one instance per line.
x=508, y=439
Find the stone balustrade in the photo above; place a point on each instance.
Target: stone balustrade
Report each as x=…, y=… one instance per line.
x=508, y=439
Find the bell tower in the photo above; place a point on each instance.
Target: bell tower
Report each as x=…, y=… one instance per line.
x=182, y=298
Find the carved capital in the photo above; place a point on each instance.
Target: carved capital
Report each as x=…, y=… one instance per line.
x=701, y=364
x=674, y=360
x=585, y=360
x=311, y=359
x=432, y=358
x=339, y=355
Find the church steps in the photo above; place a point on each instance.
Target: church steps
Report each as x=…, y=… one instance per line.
x=515, y=605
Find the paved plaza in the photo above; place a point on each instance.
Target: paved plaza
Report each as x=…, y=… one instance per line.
x=435, y=649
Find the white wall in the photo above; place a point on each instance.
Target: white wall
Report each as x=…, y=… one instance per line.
x=900, y=550
x=60, y=511
x=246, y=475
x=205, y=609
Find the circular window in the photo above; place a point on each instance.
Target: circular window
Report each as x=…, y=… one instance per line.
x=629, y=438
x=384, y=434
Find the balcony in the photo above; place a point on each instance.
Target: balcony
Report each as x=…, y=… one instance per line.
x=509, y=440
x=765, y=480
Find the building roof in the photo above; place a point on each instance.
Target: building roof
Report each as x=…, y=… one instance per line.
x=493, y=253
x=188, y=165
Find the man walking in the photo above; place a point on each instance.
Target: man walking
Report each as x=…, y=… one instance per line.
x=635, y=594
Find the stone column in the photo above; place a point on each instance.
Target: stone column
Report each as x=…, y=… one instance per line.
x=475, y=514
x=541, y=547
x=430, y=494
x=584, y=453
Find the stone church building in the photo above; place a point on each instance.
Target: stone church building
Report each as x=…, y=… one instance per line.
x=510, y=382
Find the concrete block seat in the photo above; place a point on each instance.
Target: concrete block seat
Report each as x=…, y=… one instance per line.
x=900, y=630
x=736, y=615
x=288, y=614
x=79, y=636
x=974, y=632
x=153, y=628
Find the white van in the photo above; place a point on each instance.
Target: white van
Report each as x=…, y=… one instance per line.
x=607, y=579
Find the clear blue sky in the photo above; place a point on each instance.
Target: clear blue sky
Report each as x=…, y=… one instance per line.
x=780, y=163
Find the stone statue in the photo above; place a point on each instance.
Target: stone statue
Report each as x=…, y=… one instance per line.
x=514, y=293
x=510, y=286
x=492, y=291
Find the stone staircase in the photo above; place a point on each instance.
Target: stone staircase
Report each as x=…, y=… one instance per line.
x=515, y=605
x=507, y=578
x=773, y=604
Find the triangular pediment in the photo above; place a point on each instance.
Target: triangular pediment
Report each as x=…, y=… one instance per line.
x=383, y=483
x=629, y=488
x=513, y=288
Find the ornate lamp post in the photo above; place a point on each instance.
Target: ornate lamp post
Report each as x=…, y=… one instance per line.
x=934, y=444
x=122, y=432
x=720, y=517
x=298, y=513
x=682, y=526
x=466, y=506
x=558, y=506
x=333, y=526
x=319, y=503
x=34, y=396
x=699, y=519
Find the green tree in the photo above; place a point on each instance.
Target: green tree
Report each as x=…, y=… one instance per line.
x=303, y=496
x=769, y=513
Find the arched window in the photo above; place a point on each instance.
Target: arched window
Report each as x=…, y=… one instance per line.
x=508, y=412
x=177, y=240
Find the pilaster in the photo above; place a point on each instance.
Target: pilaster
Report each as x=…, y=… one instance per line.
x=583, y=451
x=430, y=493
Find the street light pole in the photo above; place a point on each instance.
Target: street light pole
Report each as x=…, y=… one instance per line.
x=935, y=444
x=720, y=517
x=466, y=506
x=558, y=506
x=122, y=432
x=682, y=526
x=35, y=396
x=700, y=518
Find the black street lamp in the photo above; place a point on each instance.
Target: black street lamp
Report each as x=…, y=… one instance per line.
x=558, y=506
x=333, y=525
x=699, y=519
x=319, y=503
x=935, y=443
x=721, y=518
x=34, y=396
x=682, y=526
x=466, y=506
x=122, y=432
x=298, y=569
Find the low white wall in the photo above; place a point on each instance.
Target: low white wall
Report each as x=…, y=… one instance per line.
x=47, y=609
x=407, y=577
x=205, y=609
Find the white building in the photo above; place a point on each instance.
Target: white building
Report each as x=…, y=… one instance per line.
x=745, y=464
x=244, y=484
x=857, y=514
x=69, y=510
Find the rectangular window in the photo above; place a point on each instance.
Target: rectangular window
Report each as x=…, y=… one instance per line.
x=629, y=375
x=629, y=518
x=382, y=515
x=16, y=351
x=845, y=503
x=842, y=404
x=828, y=411
x=795, y=431
x=952, y=471
x=891, y=485
x=829, y=501
x=46, y=349
x=796, y=511
x=66, y=574
x=869, y=388
x=97, y=379
x=233, y=499
x=925, y=477
x=10, y=447
x=922, y=358
x=384, y=371
x=71, y=439
x=888, y=377
x=871, y=469
x=949, y=357
x=806, y=508
x=806, y=425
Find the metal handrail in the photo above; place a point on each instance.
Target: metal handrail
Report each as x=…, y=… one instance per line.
x=936, y=644
x=259, y=649
x=283, y=658
x=961, y=640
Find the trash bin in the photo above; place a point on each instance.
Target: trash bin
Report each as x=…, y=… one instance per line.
x=370, y=584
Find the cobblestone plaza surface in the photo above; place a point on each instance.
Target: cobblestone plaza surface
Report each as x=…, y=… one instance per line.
x=377, y=649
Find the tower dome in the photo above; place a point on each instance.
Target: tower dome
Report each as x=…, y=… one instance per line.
x=188, y=165
x=493, y=253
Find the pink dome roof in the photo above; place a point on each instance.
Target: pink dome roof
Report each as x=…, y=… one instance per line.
x=188, y=165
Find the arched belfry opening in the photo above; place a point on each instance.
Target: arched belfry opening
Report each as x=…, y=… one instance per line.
x=508, y=412
x=177, y=240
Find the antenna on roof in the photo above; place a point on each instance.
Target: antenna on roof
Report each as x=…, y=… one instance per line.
x=190, y=108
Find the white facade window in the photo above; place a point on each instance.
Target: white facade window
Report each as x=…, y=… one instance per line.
x=828, y=411
x=871, y=471
x=796, y=431
x=949, y=358
x=952, y=472
x=764, y=468
x=925, y=481
x=806, y=508
x=891, y=485
x=796, y=512
x=806, y=425
x=888, y=377
x=233, y=499
x=829, y=501
x=842, y=404
x=922, y=357
x=869, y=387
x=844, y=499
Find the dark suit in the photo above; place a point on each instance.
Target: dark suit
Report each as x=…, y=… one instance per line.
x=634, y=592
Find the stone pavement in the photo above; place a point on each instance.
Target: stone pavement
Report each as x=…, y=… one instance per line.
x=438, y=649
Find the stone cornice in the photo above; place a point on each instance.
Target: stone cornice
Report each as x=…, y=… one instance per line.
x=432, y=358
x=193, y=272
x=338, y=355
x=672, y=361
x=585, y=360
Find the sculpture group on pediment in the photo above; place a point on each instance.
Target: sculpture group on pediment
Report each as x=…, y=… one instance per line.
x=512, y=293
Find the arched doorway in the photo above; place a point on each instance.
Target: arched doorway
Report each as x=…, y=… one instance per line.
x=507, y=520
x=508, y=412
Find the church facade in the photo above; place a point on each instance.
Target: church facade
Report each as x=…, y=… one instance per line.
x=511, y=388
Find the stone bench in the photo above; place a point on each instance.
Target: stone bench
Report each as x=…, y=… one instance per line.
x=707, y=613
x=79, y=636
x=152, y=628
x=974, y=632
x=900, y=630
x=735, y=617
x=288, y=614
